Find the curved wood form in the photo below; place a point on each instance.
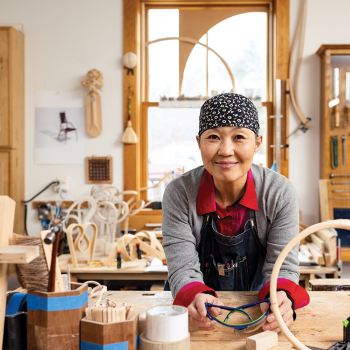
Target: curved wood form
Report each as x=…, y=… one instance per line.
x=93, y=113
x=343, y=224
x=195, y=42
x=154, y=248
x=75, y=246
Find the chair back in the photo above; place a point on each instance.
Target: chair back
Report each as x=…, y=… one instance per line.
x=63, y=117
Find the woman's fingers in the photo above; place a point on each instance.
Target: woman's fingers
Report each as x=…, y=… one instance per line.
x=193, y=312
x=199, y=324
x=264, y=307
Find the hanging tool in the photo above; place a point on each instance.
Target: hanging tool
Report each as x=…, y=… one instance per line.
x=334, y=152
x=347, y=96
x=343, y=138
x=56, y=228
x=340, y=191
x=335, y=101
x=334, y=175
x=340, y=183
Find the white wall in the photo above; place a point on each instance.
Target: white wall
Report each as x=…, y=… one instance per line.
x=63, y=40
x=327, y=23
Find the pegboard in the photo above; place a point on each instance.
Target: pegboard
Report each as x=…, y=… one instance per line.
x=99, y=170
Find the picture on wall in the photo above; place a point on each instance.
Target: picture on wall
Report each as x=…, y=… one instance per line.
x=59, y=128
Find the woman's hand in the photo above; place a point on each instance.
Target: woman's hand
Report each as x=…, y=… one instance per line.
x=198, y=312
x=285, y=307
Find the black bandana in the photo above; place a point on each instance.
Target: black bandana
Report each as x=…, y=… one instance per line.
x=228, y=110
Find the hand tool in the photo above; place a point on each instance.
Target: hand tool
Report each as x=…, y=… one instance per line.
x=340, y=183
x=334, y=152
x=56, y=228
x=138, y=251
x=343, y=138
x=347, y=96
x=340, y=191
x=346, y=330
x=339, y=262
x=336, y=97
x=119, y=259
x=334, y=175
x=340, y=198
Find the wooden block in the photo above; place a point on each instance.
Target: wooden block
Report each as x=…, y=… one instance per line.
x=329, y=284
x=18, y=254
x=317, y=242
x=262, y=341
x=304, y=249
x=109, y=333
x=318, y=257
x=328, y=259
x=158, y=286
x=59, y=328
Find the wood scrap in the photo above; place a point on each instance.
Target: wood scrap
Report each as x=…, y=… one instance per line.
x=262, y=341
x=304, y=249
x=317, y=242
x=318, y=257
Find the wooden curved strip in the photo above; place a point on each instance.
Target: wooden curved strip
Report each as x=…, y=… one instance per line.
x=343, y=224
x=195, y=42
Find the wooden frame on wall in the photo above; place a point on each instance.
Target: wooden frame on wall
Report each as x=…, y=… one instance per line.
x=136, y=155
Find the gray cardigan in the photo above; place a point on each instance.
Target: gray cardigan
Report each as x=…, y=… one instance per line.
x=277, y=222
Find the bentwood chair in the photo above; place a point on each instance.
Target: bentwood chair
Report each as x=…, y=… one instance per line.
x=66, y=126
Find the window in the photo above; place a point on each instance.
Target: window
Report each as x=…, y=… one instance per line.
x=192, y=54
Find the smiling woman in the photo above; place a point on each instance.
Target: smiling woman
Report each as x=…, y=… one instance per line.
x=225, y=223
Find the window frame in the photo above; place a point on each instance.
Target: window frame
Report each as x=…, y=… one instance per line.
x=135, y=33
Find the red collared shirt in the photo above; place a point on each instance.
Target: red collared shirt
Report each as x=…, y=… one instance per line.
x=229, y=221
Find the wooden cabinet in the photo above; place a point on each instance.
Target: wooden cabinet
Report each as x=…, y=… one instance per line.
x=12, y=119
x=334, y=128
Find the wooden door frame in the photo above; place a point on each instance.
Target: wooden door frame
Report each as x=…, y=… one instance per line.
x=133, y=11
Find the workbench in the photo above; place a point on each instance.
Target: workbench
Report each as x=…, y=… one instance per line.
x=135, y=270
x=130, y=271
x=319, y=324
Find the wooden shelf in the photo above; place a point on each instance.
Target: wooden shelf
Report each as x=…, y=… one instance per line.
x=17, y=254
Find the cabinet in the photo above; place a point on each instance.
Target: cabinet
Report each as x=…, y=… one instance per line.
x=335, y=138
x=12, y=120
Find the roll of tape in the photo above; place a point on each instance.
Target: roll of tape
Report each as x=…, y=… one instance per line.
x=146, y=344
x=167, y=323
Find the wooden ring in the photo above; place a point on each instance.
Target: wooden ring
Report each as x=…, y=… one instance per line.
x=342, y=224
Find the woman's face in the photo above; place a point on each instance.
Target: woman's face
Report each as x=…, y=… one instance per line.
x=227, y=152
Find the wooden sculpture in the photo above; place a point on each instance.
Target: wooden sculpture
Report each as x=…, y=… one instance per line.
x=88, y=247
x=154, y=248
x=93, y=102
x=342, y=224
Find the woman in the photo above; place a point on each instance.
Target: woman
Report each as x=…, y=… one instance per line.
x=225, y=223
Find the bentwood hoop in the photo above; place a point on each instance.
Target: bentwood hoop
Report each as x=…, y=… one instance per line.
x=343, y=224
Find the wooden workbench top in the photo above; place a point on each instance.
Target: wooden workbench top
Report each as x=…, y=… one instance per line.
x=319, y=324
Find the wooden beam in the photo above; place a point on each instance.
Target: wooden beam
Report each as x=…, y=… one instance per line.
x=132, y=43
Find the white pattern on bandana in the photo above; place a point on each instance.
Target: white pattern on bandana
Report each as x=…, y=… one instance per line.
x=228, y=110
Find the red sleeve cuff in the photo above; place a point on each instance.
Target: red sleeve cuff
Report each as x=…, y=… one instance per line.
x=187, y=293
x=300, y=295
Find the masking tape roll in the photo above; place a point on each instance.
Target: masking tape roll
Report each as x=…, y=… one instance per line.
x=146, y=344
x=166, y=323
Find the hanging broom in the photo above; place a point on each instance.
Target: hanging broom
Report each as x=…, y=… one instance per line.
x=129, y=135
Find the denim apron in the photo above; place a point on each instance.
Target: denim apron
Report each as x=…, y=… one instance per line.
x=231, y=263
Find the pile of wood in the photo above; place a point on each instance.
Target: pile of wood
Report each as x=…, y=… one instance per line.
x=320, y=246
x=110, y=312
